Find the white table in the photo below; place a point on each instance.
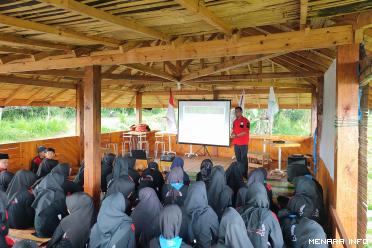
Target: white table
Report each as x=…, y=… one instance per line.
x=170, y=135
x=286, y=144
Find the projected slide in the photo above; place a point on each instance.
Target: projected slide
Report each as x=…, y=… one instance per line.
x=204, y=122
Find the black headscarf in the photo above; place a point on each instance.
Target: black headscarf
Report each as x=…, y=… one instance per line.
x=157, y=177
x=147, y=211
x=219, y=194
x=301, y=205
x=306, y=230
x=234, y=178
x=78, y=223
x=106, y=169
x=111, y=218
x=257, y=176
x=5, y=178
x=22, y=180
x=121, y=185
x=242, y=197
x=232, y=232
x=46, y=166
x=26, y=243
x=257, y=196
x=178, y=162
x=48, y=191
x=206, y=170
x=175, y=175
x=170, y=221
x=121, y=167
x=63, y=169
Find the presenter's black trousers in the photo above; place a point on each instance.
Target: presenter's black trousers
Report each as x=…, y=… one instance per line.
x=241, y=152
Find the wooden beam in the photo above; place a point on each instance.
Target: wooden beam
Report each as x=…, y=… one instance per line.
x=80, y=119
x=346, y=138
x=153, y=72
x=95, y=13
x=59, y=31
x=92, y=132
x=303, y=13
x=35, y=82
x=36, y=44
x=256, y=76
x=9, y=49
x=209, y=17
x=138, y=107
x=228, y=65
x=228, y=92
x=259, y=44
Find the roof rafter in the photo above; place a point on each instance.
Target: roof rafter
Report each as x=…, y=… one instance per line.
x=303, y=13
x=195, y=7
x=153, y=72
x=63, y=32
x=106, y=17
x=35, y=82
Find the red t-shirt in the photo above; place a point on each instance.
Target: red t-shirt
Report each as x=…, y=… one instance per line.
x=241, y=125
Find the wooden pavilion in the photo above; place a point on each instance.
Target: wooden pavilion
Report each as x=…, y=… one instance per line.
x=115, y=53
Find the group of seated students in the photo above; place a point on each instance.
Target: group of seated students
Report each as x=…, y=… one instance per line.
x=150, y=209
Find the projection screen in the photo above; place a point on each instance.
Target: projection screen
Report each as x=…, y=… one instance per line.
x=204, y=122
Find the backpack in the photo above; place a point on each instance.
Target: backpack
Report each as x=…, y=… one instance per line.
x=172, y=195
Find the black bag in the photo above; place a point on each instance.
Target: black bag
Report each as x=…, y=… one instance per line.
x=297, y=165
x=167, y=157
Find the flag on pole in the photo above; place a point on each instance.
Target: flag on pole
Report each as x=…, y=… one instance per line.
x=272, y=106
x=171, y=116
x=242, y=100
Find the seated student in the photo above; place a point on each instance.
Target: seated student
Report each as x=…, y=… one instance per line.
x=200, y=223
x=132, y=170
x=5, y=179
x=5, y=241
x=305, y=229
x=36, y=161
x=170, y=225
x=205, y=172
x=219, y=194
x=305, y=185
x=234, y=178
x=106, y=169
x=68, y=186
x=259, y=175
x=145, y=217
x=74, y=229
x=48, y=163
x=49, y=204
x=232, y=232
x=178, y=162
x=157, y=177
x=119, y=180
x=26, y=243
x=174, y=191
x=21, y=214
x=113, y=228
x=262, y=225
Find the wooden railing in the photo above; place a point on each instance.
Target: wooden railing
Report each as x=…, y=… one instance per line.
x=339, y=227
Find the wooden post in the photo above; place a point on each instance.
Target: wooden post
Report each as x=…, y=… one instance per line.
x=80, y=118
x=138, y=107
x=314, y=114
x=319, y=114
x=92, y=131
x=346, y=143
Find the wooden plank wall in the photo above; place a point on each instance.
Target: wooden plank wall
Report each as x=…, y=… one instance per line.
x=67, y=148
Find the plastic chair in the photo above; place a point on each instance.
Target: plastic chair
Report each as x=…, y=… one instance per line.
x=127, y=140
x=159, y=141
x=142, y=141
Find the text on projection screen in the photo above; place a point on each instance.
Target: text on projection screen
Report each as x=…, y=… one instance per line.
x=204, y=122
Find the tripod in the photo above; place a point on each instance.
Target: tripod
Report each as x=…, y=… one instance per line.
x=206, y=152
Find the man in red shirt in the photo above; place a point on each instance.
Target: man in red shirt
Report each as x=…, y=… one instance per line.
x=240, y=136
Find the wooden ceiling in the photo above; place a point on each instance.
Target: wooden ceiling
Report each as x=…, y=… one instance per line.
x=215, y=48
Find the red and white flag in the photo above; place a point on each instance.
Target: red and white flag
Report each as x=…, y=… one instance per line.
x=171, y=115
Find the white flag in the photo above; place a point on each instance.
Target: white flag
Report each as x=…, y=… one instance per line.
x=242, y=101
x=171, y=115
x=272, y=106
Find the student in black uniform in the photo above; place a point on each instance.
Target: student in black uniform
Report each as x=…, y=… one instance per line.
x=170, y=225
x=154, y=173
x=232, y=232
x=48, y=163
x=49, y=204
x=174, y=191
x=262, y=225
x=74, y=229
x=200, y=223
x=5, y=178
x=145, y=217
x=234, y=178
x=178, y=162
x=219, y=194
x=113, y=228
x=26, y=243
x=205, y=172
x=5, y=241
x=106, y=168
x=21, y=214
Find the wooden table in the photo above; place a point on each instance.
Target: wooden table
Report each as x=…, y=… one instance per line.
x=286, y=144
x=169, y=134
